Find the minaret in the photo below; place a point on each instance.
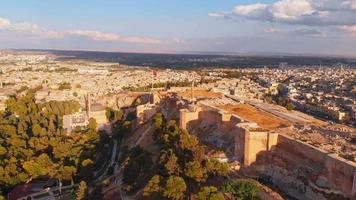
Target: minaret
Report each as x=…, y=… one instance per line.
x=192, y=92
x=87, y=104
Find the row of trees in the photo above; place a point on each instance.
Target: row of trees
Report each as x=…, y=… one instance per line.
x=64, y=86
x=168, y=84
x=239, y=74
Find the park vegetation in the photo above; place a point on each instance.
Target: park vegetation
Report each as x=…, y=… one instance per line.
x=33, y=143
x=180, y=169
x=239, y=74
x=64, y=86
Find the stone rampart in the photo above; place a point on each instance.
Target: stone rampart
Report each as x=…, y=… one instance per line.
x=297, y=168
x=308, y=172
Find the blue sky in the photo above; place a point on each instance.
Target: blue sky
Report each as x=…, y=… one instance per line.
x=288, y=26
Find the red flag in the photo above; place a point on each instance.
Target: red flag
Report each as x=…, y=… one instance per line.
x=154, y=73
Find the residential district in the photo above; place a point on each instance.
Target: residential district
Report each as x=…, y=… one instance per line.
x=287, y=132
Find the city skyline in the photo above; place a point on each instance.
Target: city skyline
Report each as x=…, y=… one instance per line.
x=284, y=26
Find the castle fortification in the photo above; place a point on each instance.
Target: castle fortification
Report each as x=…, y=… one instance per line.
x=297, y=168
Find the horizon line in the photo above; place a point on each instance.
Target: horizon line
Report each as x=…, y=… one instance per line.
x=207, y=53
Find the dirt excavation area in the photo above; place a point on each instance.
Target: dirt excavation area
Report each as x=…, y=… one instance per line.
x=249, y=113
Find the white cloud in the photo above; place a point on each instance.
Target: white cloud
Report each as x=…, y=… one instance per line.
x=178, y=40
x=4, y=23
x=297, y=32
x=291, y=9
x=299, y=12
x=217, y=15
x=101, y=36
x=35, y=30
x=246, y=10
x=349, y=29
x=273, y=30
x=351, y=4
x=309, y=32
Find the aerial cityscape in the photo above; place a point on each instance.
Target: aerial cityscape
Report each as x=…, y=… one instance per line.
x=220, y=100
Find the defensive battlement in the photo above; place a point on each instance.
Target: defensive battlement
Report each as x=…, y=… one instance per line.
x=283, y=159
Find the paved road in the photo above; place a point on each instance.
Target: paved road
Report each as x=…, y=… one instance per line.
x=50, y=194
x=143, y=135
x=119, y=171
x=112, y=160
x=282, y=114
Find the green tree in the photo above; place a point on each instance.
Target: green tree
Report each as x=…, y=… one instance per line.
x=87, y=163
x=114, y=115
x=290, y=106
x=154, y=186
x=195, y=171
x=37, y=130
x=209, y=193
x=64, y=86
x=243, y=189
x=170, y=162
x=118, y=115
x=51, y=127
x=32, y=143
x=92, y=124
x=41, y=166
x=175, y=188
x=66, y=172
x=215, y=167
x=3, y=150
x=139, y=164
x=158, y=120
x=82, y=191
x=187, y=141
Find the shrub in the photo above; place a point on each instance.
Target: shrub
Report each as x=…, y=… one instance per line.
x=242, y=189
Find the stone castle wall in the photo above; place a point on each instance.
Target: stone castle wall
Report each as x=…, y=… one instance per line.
x=145, y=112
x=307, y=172
x=298, y=169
